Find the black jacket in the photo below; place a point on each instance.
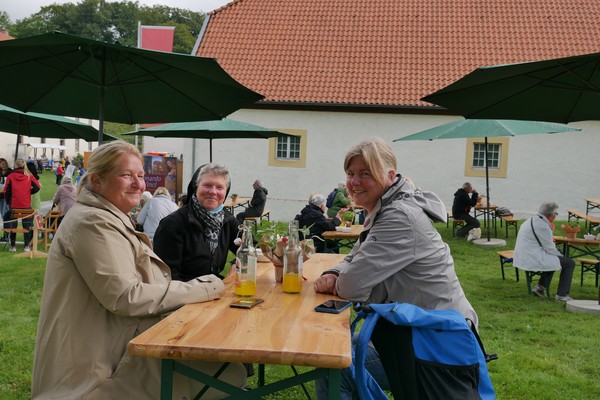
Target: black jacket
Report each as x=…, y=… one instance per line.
x=179, y=241
x=462, y=202
x=257, y=204
x=312, y=215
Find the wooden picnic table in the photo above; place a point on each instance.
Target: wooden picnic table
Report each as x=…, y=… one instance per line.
x=488, y=213
x=573, y=248
x=591, y=204
x=349, y=237
x=284, y=329
x=239, y=202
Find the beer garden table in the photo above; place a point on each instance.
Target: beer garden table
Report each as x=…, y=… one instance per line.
x=284, y=329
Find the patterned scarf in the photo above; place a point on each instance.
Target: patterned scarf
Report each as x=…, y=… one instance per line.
x=212, y=222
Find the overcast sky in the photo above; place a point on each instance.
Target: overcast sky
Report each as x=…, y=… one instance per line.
x=19, y=9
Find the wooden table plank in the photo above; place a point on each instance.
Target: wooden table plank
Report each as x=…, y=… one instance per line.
x=284, y=329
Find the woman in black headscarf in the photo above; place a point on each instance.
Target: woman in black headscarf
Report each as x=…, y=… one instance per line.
x=195, y=239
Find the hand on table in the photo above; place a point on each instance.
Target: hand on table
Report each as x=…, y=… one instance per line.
x=326, y=284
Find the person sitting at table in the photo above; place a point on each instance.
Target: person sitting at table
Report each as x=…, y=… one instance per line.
x=155, y=209
x=103, y=286
x=313, y=217
x=400, y=256
x=195, y=239
x=256, y=206
x=535, y=250
x=341, y=200
x=65, y=198
x=464, y=199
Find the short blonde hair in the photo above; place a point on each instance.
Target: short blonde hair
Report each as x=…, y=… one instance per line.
x=104, y=159
x=161, y=190
x=378, y=155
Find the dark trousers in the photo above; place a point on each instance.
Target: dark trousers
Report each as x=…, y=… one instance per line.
x=471, y=223
x=566, y=276
x=27, y=223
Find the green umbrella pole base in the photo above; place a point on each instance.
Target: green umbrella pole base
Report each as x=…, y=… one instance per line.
x=584, y=306
x=493, y=242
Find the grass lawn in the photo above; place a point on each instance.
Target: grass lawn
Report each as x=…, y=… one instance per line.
x=545, y=352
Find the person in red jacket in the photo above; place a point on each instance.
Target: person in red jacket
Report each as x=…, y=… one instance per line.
x=19, y=186
x=60, y=172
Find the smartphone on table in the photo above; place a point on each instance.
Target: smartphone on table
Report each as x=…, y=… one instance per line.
x=246, y=303
x=333, y=306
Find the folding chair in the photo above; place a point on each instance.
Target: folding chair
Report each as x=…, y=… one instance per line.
x=50, y=225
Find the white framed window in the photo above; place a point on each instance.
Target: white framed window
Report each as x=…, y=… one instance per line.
x=288, y=151
x=497, y=157
x=288, y=148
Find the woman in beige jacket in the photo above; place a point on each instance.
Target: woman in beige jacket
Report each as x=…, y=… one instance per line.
x=103, y=286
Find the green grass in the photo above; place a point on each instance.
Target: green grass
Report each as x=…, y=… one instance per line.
x=545, y=351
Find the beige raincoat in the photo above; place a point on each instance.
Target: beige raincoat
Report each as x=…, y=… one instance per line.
x=103, y=286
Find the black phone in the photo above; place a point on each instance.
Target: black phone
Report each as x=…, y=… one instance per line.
x=333, y=306
x=246, y=303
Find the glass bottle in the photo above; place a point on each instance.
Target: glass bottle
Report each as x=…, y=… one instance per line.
x=245, y=265
x=292, y=261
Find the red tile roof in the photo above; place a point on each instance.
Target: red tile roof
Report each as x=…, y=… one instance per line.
x=387, y=52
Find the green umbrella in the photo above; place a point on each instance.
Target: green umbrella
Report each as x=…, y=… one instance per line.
x=474, y=128
x=69, y=75
x=560, y=90
x=43, y=126
x=221, y=129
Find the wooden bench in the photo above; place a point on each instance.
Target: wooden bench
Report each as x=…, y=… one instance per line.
x=506, y=257
x=589, y=265
x=17, y=216
x=457, y=223
x=509, y=221
x=587, y=218
x=257, y=220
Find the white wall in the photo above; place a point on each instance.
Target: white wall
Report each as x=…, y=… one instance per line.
x=561, y=167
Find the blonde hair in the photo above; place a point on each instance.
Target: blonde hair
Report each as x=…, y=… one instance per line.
x=20, y=163
x=378, y=156
x=161, y=190
x=104, y=159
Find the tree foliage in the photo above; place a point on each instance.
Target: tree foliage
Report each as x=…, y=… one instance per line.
x=109, y=21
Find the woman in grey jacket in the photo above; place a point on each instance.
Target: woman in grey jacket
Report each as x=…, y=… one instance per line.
x=400, y=256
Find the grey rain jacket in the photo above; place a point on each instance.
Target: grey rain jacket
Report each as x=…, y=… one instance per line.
x=401, y=257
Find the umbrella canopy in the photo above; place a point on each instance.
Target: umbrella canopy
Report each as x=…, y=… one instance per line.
x=471, y=128
x=43, y=126
x=70, y=75
x=221, y=129
x=560, y=90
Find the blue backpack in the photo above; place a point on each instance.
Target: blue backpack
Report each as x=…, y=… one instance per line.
x=330, y=198
x=426, y=354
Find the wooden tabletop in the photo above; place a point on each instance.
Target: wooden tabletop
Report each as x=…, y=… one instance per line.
x=239, y=201
x=576, y=241
x=284, y=329
x=354, y=233
x=592, y=200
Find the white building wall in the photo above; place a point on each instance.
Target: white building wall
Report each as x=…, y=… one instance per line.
x=561, y=167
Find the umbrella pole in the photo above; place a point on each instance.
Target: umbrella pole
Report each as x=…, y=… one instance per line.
x=102, y=95
x=210, y=149
x=487, y=190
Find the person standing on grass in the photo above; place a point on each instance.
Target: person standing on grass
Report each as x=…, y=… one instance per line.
x=4, y=171
x=464, y=199
x=19, y=187
x=535, y=250
x=60, y=172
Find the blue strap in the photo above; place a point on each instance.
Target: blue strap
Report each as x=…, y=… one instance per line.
x=368, y=388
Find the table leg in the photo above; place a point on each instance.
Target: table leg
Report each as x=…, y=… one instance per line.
x=166, y=379
x=335, y=381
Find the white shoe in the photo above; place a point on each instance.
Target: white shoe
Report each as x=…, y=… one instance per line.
x=26, y=249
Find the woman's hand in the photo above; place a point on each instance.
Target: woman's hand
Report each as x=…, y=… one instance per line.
x=231, y=275
x=326, y=284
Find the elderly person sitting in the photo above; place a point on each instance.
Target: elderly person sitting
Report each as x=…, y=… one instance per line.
x=535, y=251
x=155, y=210
x=257, y=204
x=64, y=197
x=313, y=217
x=103, y=286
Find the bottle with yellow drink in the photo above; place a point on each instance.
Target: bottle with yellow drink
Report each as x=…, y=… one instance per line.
x=292, y=261
x=245, y=264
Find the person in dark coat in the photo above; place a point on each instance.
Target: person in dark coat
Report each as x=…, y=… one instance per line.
x=313, y=217
x=461, y=207
x=257, y=204
x=195, y=240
